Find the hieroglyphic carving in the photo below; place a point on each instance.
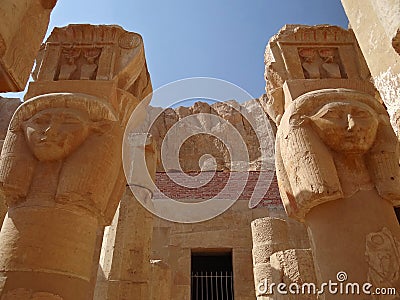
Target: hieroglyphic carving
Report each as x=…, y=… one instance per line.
x=310, y=63
x=321, y=133
x=69, y=67
x=89, y=68
x=383, y=257
x=79, y=63
x=320, y=63
x=90, y=52
x=329, y=65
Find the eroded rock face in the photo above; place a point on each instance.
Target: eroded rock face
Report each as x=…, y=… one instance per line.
x=209, y=131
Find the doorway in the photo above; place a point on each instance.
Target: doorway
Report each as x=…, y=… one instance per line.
x=212, y=275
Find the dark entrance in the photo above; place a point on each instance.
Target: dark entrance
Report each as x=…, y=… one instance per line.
x=212, y=276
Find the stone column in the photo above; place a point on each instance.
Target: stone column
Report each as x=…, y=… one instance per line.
x=336, y=155
x=23, y=25
x=61, y=166
x=294, y=268
x=338, y=172
x=125, y=258
x=161, y=281
x=269, y=236
x=124, y=271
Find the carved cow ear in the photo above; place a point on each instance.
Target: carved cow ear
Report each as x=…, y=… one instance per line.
x=297, y=119
x=102, y=126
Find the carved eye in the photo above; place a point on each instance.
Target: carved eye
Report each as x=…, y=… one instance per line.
x=71, y=121
x=360, y=114
x=332, y=114
x=43, y=120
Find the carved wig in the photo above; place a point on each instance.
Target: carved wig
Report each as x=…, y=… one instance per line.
x=88, y=175
x=306, y=170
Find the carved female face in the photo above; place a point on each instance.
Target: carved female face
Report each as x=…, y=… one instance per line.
x=52, y=134
x=346, y=126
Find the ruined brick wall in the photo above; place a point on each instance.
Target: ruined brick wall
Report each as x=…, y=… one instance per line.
x=271, y=198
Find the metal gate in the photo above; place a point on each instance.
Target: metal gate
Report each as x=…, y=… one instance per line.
x=212, y=285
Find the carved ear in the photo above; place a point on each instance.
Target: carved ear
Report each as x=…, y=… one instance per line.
x=102, y=126
x=304, y=119
x=297, y=120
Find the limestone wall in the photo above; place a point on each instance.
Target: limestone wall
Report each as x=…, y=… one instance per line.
x=173, y=243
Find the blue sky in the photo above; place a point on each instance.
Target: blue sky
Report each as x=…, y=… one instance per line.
x=224, y=39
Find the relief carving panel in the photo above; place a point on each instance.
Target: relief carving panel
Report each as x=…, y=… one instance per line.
x=383, y=257
x=319, y=63
x=78, y=64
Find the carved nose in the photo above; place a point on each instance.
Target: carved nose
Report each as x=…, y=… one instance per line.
x=350, y=122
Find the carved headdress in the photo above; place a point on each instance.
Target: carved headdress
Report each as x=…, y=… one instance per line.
x=305, y=167
x=79, y=181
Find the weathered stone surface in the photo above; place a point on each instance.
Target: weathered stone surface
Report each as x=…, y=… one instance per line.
x=294, y=266
x=160, y=281
x=301, y=59
x=23, y=25
x=269, y=236
x=376, y=25
x=125, y=255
